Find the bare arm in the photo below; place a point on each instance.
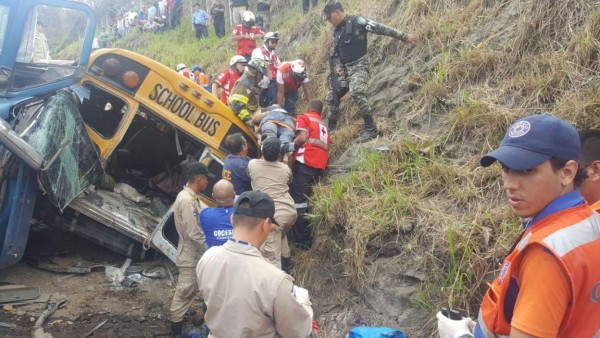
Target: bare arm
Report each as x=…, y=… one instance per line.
x=280, y=94
x=301, y=137
x=307, y=93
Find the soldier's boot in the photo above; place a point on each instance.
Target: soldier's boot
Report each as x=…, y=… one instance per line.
x=369, y=130
x=177, y=329
x=331, y=123
x=287, y=264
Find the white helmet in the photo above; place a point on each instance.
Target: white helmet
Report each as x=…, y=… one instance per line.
x=248, y=19
x=271, y=36
x=298, y=70
x=237, y=58
x=181, y=66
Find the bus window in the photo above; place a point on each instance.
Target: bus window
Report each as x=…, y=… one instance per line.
x=3, y=22
x=103, y=111
x=51, y=46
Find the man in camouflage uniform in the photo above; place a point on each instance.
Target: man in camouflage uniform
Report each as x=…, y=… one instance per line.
x=350, y=46
x=245, y=94
x=263, y=14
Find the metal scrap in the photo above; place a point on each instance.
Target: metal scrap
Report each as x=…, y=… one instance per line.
x=55, y=302
x=18, y=293
x=82, y=267
x=8, y=325
x=91, y=332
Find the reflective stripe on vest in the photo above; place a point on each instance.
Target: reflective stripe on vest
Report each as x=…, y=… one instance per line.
x=316, y=141
x=573, y=237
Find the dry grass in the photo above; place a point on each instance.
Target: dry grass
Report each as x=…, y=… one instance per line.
x=468, y=81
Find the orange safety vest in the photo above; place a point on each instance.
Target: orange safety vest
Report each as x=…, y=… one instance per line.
x=313, y=152
x=289, y=84
x=573, y=237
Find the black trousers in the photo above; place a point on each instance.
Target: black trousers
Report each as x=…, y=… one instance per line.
x=300, y=189
x=219, y=27
x=306, y=4
x=201, y=31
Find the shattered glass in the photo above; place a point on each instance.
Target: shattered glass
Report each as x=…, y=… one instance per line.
x=78, y=164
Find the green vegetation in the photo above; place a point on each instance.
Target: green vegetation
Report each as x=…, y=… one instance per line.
x=481, y=65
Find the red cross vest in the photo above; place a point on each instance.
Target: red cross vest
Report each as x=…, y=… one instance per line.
x=289, y=84
x=313, y=152
x=573, y=236
x=273, y=61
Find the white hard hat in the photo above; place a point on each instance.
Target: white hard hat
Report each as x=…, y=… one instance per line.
x=181, y=66
x=248, y=16
x=236, y=59
x=298, y=66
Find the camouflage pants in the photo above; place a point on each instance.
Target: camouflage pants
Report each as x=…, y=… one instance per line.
x=357, y=73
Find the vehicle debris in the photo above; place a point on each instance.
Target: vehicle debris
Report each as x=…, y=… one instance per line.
x=17, y=293
x=55, y=302
x=91, y=332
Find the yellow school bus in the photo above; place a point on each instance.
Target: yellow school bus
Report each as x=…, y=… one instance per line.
x=144, y=122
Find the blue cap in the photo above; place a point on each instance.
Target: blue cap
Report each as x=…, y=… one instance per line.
x=195, y=68
x=533, y=140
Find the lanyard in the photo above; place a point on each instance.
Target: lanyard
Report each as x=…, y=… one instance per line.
x=238, y=241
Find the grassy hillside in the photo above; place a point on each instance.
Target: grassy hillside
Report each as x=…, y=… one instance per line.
x=416, y=196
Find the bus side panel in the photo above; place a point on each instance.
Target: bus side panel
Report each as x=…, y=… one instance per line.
x=15, y=216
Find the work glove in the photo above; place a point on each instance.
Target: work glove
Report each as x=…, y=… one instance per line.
x=450, y=328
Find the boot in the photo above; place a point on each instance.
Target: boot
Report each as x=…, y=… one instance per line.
x=331, y=124
x=177, y=329
x=369, y=130
x=287, y=265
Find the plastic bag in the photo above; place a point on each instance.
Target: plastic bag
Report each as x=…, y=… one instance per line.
x=375, y=332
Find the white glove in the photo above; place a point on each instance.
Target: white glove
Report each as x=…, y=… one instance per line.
x=450, y=328
x=301, y=295
x=264, y=83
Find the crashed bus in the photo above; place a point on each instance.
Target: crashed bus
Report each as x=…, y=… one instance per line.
x=95, y=145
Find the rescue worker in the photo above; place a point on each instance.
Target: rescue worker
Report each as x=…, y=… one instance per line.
x=183, y=71
x=244, y=294
x=246, y=35
x=263, y=14
x=235, y=167
x=350, y=46
x=268, y=95
x=273, y=178
x=227, y=79
x=590, y=161
x=245, y=93
x=290, y=77
x=548, y=285
x=199, y=77
x=311, y=160
x=192, y=243
x=216, y=222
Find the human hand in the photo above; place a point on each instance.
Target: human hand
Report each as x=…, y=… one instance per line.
x=450, y=328
x=340, y=71
x=412, y=39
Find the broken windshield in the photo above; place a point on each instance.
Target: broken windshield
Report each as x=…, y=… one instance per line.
x=59, y=126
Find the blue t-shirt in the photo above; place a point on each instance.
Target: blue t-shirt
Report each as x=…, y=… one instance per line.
x=235, y=169
x=200, y=17
x=216, y=225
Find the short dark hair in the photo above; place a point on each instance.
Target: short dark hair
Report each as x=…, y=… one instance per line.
x=235, y=143
x=315, y=105
x=590, y=146
x=558, y=163
x=243, y=220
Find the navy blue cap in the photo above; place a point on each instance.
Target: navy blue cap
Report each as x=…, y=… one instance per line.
x=533, y=140
x=260, y=205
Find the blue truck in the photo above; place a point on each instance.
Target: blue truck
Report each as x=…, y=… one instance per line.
x=94, y=143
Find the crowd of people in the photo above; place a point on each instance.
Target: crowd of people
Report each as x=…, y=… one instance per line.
x=237, y=254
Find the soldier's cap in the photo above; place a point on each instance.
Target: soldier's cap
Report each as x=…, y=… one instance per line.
x=196, y=168
x=260, y=205
x=330, y=7
x=533, y=140
x=271, y=147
